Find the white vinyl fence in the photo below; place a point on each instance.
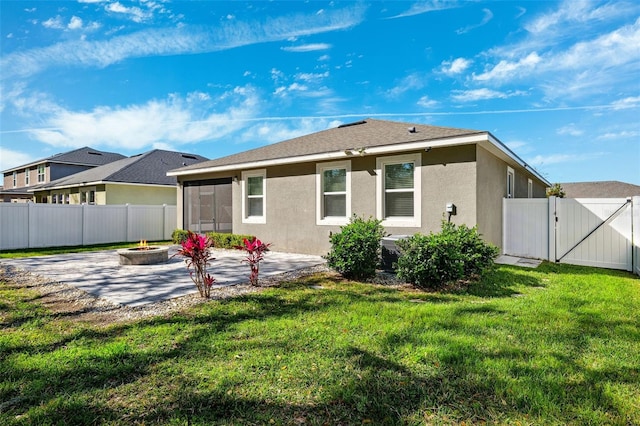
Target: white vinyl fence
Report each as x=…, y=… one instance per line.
x=30, y=225
x=594, y=232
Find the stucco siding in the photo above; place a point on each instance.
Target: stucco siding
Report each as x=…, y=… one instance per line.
x=491, y=189
x=137, y=194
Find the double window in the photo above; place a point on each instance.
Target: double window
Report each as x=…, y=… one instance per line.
x=27, y=176
x=399, y=190
x=333, y=196
x=88, y=196
x=41, y=175
x=254, y=196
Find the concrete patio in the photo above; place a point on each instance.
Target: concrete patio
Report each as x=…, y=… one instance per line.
x=101, y=275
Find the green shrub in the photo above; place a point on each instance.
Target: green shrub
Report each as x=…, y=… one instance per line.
x=355, y=250
x=431, y=261
x=220, y=240
x=178, y=236
x=228, y=241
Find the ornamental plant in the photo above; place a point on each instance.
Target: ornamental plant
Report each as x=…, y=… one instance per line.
x=196, y=249
x=456, y=253
x=255, y=254
x=355, y=250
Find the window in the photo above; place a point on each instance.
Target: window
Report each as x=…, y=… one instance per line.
x=399, y=190
x=333, y=195
x=510, y=182
x=253, y=196
x=40, y=173
x=27, y=178
x=88, y=196
x=15, y=179
x=529, y=188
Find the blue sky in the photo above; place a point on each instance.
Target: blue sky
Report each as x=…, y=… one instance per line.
x=558, y=82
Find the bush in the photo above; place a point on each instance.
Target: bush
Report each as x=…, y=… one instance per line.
x=219, y=240
x=355, y=250
x=228, y=241
x=431, y=261
x=179, y=236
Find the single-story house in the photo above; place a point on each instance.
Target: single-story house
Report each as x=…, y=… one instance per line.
x=141, y=179
x=601, y=189
x=295, y=193
x=19, y=180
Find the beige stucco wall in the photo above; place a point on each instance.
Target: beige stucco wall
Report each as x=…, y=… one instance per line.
x=137, y=194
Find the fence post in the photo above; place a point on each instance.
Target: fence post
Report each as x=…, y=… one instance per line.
x=635, y=234
x=552, y=228
x=128, y=219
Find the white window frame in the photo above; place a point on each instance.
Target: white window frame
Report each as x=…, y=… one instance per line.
x=27, y=176
x=87, y=195
x=41, y=173
x=245, y=197
x=381, y=162
x=511, y=183
x=15, y=179
x=320, y=169
x=529, y=188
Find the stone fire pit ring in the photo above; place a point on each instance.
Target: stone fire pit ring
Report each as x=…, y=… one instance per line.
x=144, y=255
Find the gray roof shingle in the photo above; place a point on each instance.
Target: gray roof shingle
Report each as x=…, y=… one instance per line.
x=85, y=156
x=363, y=134
x=602, y=189
x=147, y=168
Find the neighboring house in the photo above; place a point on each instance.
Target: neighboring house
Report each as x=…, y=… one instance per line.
x=297, y=192
x=18, y=180
x=603, y=189
x=141, y=179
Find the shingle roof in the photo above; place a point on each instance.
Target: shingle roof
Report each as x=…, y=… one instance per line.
x=86, y=156
x=363, y=134
x=602, y=189
x=148, y=168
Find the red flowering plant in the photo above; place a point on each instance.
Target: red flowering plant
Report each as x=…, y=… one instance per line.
x=255, y=254
x=195, y=248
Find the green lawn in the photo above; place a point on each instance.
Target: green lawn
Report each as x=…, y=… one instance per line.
x=556, y=345
x=8, y=254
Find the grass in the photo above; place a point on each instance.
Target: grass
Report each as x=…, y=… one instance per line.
x=552, y=346
x=9, y=254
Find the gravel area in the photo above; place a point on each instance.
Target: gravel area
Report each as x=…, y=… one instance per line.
x=75, y=304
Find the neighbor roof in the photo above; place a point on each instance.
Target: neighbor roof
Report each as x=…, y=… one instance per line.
x=85, y=156
x=363, y=137
x=149, y=168
x=602, y=189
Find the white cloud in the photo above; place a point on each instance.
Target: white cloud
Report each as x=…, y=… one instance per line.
x=624, y=134
x=312, y=77
x=307, y=47
x=425, y=102
x=630, y=102
x=133, y=13
x=482, y=94
x=272, y=132
x=184, y=40
x=421, y=7
x=10, y=158
x=457, y=66
x=175, y=121
x=54, y=23
x=414, y=81
x=75, y=23
x=570, y=130
x=488, y=16
x=508, y=70
x=544, y=160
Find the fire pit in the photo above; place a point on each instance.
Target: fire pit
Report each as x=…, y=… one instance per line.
x=143, y=255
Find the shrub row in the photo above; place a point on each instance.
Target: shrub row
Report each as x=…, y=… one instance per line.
x=220, y=240
x=427, y=261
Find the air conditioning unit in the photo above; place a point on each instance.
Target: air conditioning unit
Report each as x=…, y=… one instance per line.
x=390, y=251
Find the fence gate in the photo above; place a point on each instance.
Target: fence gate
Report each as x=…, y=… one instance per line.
x=601, y=232
x=594, y=232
